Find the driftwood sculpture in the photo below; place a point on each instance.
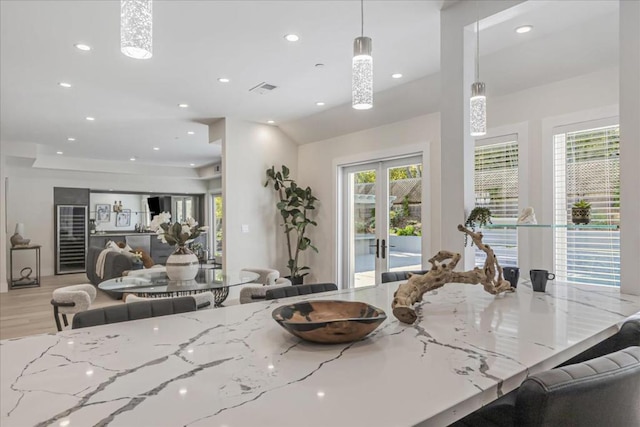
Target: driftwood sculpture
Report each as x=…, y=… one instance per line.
x=441, y=273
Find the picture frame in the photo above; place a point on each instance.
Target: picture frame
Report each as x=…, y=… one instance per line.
x=103, y=213
x=123, y=219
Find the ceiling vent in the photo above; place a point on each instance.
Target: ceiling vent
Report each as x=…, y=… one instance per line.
x=262, y=88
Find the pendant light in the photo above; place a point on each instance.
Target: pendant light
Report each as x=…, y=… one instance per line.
x=362, y=69
x=478, y=100
x=136, y=26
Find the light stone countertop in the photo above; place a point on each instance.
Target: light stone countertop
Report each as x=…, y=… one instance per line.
x=236, y=367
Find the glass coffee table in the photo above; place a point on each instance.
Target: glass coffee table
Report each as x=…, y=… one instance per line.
x=156, y=284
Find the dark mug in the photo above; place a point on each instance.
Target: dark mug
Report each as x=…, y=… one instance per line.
x=539, y=279
x=512, y=274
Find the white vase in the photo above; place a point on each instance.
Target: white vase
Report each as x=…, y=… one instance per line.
x=182, y=265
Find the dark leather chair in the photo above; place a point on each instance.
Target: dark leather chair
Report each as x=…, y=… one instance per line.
x=627, y=336
x=396, y=276
x=600, y=392
x=294, y=291
x=133, y=311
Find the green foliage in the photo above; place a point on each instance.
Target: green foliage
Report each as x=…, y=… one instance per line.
x=405, y=206
x=582, y=204
x=365, y=177
x=294, y=204
x=409, y=230
x=477, y=218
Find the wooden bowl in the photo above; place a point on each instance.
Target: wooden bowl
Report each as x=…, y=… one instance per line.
x=329, y=322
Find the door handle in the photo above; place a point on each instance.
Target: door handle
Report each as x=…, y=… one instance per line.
x=377, y=246
x=384, y=249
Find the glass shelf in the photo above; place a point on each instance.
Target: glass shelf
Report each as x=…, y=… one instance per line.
x=569, y=226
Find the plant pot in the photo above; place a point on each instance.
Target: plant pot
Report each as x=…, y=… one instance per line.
x=182, y=265
x=297, y=280
x=580, y=215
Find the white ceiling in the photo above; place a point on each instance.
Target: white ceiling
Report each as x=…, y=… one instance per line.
x=195, y=42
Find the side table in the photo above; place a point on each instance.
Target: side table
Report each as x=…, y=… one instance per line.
x=25, y=281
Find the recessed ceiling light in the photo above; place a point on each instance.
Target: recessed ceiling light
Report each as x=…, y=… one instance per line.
x=524, y=29
x=133, y=159
x=156, y=148
x=270, y=122
x=191, y=132
x=192, y=164
x=59, y=152
x=63, y=84
x=319, y=103
x=82, y=46
x=396, y=76
x=90, y=118
x=71, y=139
x=291, y=37
x=183, y=105
x=224, y=80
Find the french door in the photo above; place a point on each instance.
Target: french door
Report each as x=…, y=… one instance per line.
x=381, y=219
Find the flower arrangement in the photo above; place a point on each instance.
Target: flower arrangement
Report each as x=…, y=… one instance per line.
x=177, y=233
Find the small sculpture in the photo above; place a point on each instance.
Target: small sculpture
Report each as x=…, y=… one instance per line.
x=528, y=216
x=490, y=276
x=17, y=240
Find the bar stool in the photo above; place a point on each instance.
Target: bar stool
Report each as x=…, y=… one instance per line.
x=71, y=299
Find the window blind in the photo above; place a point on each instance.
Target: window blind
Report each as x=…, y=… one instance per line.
x=496, y=188
x=587, y=167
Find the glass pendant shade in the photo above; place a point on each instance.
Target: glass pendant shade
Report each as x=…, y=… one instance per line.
x=136, y=26
x=478, y=110
x=362, y=74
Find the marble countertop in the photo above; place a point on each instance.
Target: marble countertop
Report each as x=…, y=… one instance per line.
x=236, y=367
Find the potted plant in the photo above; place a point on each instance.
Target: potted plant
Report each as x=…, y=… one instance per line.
x=478, y=217
x=294, y=204
x=581, y=212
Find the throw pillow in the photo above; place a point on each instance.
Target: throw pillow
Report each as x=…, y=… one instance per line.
x=112, y=245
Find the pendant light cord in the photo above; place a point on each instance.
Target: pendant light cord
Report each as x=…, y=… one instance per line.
x=477, y=43
x=362, y=18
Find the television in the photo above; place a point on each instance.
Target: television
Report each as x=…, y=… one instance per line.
x=154, y=206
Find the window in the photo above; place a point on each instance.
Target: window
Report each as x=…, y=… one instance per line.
x=215, y=231
x=496, y=188
x=587, y=167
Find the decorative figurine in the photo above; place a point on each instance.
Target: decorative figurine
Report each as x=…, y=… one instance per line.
x=17, y=240
x=528, y=216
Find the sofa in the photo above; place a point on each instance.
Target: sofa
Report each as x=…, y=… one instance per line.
x=115, y=264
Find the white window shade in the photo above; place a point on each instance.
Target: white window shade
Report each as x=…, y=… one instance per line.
x=496, y=188
x=587, y=167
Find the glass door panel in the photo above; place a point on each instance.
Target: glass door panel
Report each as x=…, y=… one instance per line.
x=381, y=220
x=405, y=217
x=363, y=224
x=217, y=225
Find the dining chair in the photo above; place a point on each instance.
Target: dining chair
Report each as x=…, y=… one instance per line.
x=269, y=279
x=600, y=392
x=396, y=276
x=133, y=311
x=294, y=291
x=71, y=300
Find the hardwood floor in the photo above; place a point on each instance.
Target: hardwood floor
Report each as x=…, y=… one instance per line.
x=28, y=311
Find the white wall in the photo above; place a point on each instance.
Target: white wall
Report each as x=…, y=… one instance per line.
x=524, y=112
x=30, y=197
x=248, y=150
x=4, y=240
x=630, y=144
x=318, y=167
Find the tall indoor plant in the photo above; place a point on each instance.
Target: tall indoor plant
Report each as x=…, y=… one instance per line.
x=294, y=204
